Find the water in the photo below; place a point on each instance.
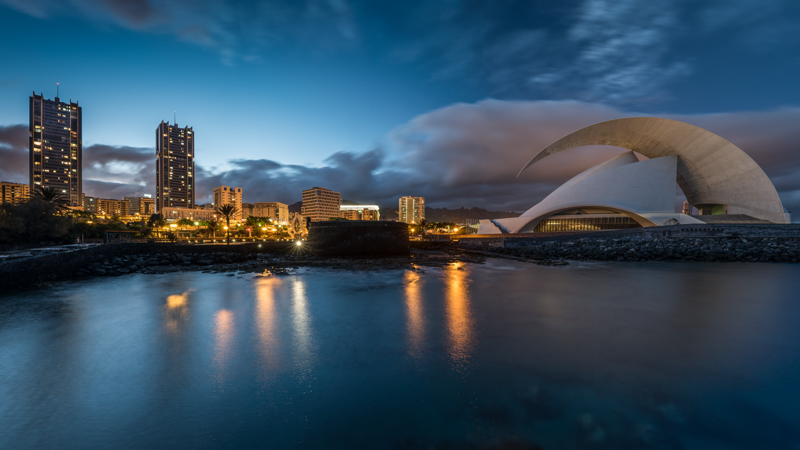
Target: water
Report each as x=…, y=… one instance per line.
x=667, y=356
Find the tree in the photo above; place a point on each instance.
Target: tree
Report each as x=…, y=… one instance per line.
x=50, y=197
x=185, y=222
x=115, y=218
x=156, y=221
x=227, y=211
x=212, y=225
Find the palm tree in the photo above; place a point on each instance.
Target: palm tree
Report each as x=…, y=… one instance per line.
x=227, y=211
x=51, y=197
x=156, y=221
x=212, y=225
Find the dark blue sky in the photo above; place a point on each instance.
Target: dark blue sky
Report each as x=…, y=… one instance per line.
x=369, y=97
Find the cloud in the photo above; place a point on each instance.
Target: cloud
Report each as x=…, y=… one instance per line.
x=14, y=153
x=461, y=155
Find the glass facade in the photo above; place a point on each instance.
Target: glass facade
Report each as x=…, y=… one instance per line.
x=585, y=224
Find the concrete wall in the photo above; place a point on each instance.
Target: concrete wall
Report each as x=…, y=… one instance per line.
x=358, y=238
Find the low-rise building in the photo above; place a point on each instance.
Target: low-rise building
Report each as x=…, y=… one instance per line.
x=247, y=210
x=143, y=206
x=106, y=206
x=14, y=192
x=354, y=211
x=274, y=210
x=197, y=215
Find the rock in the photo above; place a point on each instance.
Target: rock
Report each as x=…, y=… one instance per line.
x=99, y=271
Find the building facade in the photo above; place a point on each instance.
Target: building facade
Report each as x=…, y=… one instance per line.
x=354, y=211
x=106, y=206
x=412, y=209
x=14, y=192
x=197, y=215
x=321, y=204
x=56, y=147
x=247, y=210
x=274, y=210
x=144, y=206
x=225, y=195
x=174, y=166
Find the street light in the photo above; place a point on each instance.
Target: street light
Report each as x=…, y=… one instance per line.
x=299, y=243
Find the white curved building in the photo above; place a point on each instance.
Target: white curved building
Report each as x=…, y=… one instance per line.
x=716, y=176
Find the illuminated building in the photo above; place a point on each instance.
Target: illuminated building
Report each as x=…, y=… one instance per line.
x=226, y=195
x=274, y=210
x=174, y=166
x=718, y=178
x=321, y=204
x=247, y=210
x=354, y=211
x=56, y=147
x=198, y=215
x=144, y=206
x=106, y=206
x=412, y=209
x=14, y=192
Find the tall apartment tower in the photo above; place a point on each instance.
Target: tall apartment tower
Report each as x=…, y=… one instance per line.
x=56, y=147
x=229, y=195
x=174, y=167
x=412, y=209
x=321, y=204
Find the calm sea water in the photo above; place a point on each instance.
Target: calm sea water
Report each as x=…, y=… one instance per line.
x=666, y=356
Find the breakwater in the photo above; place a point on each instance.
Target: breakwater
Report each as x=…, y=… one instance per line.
x=746, y=243
x=116, y=259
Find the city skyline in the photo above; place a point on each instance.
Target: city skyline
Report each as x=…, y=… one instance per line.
x=421, y=121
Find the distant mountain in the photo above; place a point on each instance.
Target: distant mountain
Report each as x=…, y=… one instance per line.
x=437, y=214
x=295, y=207
x=461, y=214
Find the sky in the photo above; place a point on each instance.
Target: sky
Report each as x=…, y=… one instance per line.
x=443, y=99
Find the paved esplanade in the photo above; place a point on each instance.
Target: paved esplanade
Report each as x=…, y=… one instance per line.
x=711, y=170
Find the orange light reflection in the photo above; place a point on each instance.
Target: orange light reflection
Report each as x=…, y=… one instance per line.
x=265, y=317
x=459, y=316
x=415, y=320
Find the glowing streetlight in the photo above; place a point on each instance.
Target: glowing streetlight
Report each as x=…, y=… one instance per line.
x=299, y=243
x=455, y=230
x=225, y=227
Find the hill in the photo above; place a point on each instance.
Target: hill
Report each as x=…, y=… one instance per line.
x=458, y=215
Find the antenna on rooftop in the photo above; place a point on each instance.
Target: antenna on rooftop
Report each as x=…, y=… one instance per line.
x=57, y=90
x=175, y=117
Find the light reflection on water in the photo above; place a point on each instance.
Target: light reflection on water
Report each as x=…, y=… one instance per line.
x=459, y=316
x=589, y=356
x=224, y=331
x=302, y=350
x=266, y=310
x=415, y=317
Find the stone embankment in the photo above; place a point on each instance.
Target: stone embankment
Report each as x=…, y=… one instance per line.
x=718, y=249
x=278, y=259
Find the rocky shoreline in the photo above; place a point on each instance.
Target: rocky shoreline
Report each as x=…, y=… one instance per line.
x=268, y=263
x=719, y=249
